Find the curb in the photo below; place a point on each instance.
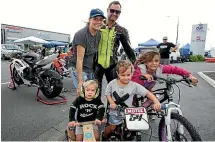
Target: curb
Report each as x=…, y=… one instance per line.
x=206, y=78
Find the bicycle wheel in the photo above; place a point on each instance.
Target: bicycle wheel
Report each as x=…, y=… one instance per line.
x=176, y=135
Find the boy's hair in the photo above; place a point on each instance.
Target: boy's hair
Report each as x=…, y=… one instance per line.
x=123, y=65
x=147, y=56
x=89, y=82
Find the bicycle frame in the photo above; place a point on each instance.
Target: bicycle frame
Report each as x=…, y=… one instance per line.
x=171, y=106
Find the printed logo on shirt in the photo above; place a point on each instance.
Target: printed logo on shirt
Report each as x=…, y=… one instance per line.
x=88, y=106
x=163, y=46
x=88, y=110
x=85, y=115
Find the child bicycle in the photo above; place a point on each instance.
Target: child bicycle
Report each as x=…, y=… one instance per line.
x=133, y=121
x=88, y=134
x=166, y=94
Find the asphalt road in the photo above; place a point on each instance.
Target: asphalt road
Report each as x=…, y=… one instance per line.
x=25, y=119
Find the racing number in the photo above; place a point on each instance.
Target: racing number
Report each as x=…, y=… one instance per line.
x=134, y=117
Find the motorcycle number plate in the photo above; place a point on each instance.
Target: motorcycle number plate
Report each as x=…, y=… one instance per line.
x=136, y=118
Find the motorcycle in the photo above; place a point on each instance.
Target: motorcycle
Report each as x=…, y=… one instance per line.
x=30, y=69
x=60, y=66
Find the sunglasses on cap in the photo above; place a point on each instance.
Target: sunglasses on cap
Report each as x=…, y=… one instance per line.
x=115, y=11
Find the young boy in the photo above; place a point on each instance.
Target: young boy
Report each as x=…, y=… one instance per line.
x=89, y=108
x=122, y=86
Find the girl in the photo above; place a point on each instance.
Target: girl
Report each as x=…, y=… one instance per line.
x=149, y=66
x=88, y=107
x=123, y=85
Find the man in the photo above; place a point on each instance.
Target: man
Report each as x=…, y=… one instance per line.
x=43, y=52
x=111, y=36
x=165, y=50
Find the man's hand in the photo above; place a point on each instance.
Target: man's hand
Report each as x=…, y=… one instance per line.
x=193, y=79
x=174, y=49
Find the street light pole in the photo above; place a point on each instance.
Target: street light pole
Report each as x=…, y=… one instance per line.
x=177, y=31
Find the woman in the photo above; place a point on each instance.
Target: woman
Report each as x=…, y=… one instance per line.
x=85, y=45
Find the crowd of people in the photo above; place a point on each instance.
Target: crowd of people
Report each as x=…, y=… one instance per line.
x=94, y=50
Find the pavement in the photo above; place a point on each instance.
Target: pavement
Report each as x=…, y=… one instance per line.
x=25, y=119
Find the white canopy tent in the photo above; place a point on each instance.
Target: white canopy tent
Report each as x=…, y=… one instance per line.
x=31, y=40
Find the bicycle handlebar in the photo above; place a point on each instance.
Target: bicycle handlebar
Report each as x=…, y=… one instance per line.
x=170, y=80
x=86, y=123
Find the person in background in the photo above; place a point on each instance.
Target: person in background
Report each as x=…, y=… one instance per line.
x=65, y=49
x=43, y=52
x=165, y=49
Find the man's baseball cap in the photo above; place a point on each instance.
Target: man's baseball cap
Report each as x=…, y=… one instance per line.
x=96, y=12
x=165, y=38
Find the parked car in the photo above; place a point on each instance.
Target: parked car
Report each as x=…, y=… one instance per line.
x=9, y=51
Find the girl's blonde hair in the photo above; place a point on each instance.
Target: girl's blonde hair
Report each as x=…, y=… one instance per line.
x=147, y=57
x=89, y=82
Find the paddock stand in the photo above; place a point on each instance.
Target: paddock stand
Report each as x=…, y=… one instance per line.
x=12, y=86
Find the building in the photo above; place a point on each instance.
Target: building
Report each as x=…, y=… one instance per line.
x=10, y=33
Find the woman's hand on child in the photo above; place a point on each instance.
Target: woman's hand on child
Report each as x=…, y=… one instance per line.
x=98, y=122
x=113, y=106
x=193, y=79
x=157, y=106
x=79, y=88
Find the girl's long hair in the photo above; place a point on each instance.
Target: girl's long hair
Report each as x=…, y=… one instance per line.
x=146, y=57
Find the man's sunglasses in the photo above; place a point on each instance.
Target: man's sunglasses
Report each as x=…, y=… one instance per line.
x=164, y=39
x=115, y=11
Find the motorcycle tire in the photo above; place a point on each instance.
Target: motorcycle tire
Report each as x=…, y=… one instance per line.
x=54, y=83
x=17, y=79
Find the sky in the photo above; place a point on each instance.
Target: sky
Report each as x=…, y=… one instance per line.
x=144, y=19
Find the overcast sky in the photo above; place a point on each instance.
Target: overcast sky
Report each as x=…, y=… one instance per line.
x=144, y=19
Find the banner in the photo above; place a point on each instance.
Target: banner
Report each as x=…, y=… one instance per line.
x=198, y=39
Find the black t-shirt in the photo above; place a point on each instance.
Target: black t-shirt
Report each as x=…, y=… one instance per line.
x=165, y=49
x=87, y=110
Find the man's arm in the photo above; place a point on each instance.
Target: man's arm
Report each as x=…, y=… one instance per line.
x=125, y=41
x=173, y=47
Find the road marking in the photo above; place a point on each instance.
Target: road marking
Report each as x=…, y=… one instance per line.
x=207, y=79
x=5, y=83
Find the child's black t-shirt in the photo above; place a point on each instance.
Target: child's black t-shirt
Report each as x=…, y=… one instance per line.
x=87, y=110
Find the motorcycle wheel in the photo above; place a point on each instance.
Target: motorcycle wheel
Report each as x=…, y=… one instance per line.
x=53, y=84
x=17, y=79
